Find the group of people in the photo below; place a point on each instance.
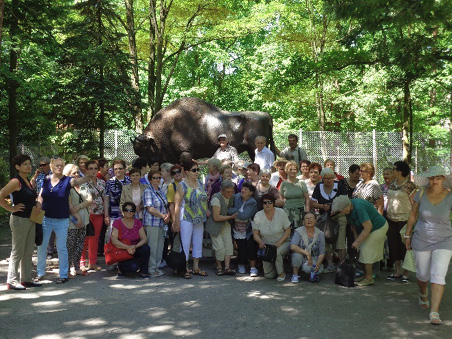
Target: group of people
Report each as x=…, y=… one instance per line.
x=247, y=207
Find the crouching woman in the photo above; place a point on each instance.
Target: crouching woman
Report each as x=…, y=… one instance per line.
x=308, y=247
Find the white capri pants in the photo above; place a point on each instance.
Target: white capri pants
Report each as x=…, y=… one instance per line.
x=432, y=265
x=189, y=231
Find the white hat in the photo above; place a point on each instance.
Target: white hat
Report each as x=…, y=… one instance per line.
x=423, y=178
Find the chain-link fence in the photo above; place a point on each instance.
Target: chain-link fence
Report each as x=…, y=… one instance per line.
x=345, y=148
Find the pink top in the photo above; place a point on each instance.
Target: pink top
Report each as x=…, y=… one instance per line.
x=132, y=234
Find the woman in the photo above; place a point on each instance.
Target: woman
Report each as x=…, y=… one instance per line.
x=264, y=187
x=308, y=247
x=219, y=228
x=246, y=207
x=54, y=198
x=432, y=238
x=322, y=198
x=79, y=204
x=329, y=163
x=314, y=177
x=388, y=178
x=156, y=215
x=295, y=195
x=368, y=188
x=23, y=230
x=304, y=169
x=225, y=174
x=370, y=231
x=129, y=228
x=134, y=192
x=102, y=173
x=252, y=175
x=213, y=166
x=400, y=197
x=280, y=176
x=81, y=164
x=96, y=189
x=272, y=226
x=190, y=219
x=165, y=171
x=350, y=183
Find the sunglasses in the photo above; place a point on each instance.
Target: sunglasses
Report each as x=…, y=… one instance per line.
x=156, y=178
x=43, y=165
x=129, y=210
x=194, y=170
x=176, y=172
x=267, y=202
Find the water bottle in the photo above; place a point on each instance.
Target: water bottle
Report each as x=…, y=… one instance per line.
x=313, y=274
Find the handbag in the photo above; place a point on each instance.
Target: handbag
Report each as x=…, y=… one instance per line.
x=90, y=232
x=176, y=260
x=345, y=273
x=409, y=262
x=329, y=227
x=114, y=254
x=268, y=253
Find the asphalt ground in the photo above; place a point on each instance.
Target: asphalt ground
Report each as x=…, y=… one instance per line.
x=101, y=306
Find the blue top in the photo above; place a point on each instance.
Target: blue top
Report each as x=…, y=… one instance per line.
x=55, y=199
x=363, y=211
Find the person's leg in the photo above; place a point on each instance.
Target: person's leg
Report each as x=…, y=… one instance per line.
x=142, y=255
x=42, y=250
x=241, y=249
x=152, y=235
x=93, y=242
x=282, y=251
x=186, y=231
x=269, y=270
x=297, y=260
x=439, y=265
x=26, y=263
x=18, y=248
x=71, y=239
x=160, y=246
x=252, y=247
x=340, y=243
x=198, y=232
x=128, y=266
x=218, y=247
x=368, y=272
x=60, y=227
x=101, y=242
x=228, y=245
x=80, y=235
x=51, y=244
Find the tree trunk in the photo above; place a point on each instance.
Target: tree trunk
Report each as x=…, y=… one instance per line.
x=12, y=86
x=102, y=86
x=151, y=63
x=2, y=14
x=406, y=128
x=135, y=100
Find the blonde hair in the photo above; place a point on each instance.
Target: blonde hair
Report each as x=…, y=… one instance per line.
x=53, y=160
x=69, y=168
x=368, y=167
x=290, y=164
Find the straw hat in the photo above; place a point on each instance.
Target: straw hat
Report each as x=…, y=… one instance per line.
x=280, y=161
x=423, y=178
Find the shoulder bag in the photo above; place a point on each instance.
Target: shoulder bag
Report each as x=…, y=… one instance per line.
x=114, y=254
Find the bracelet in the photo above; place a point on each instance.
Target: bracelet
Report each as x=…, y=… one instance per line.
x=407, y=236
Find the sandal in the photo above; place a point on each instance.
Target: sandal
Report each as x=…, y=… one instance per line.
x=424, y=304
x=62, y=281
x=187, y=275
x=219, y=271
x=434, y=318
x=38, y=278
x=199, y=272
x=228, y=271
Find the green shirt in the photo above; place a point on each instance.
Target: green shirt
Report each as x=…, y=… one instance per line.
x=293, y=193
x=364, y=211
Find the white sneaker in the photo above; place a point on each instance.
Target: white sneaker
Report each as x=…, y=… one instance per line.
x=254, y=272
x=241, y=269
x=294, y=279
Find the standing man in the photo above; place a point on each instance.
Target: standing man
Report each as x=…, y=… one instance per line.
x=41, y=172
x=264, y=157
x=293, y=152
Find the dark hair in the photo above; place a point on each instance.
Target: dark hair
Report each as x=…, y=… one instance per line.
x=292, y=136
x=151, y=173
x=20, y=159
x=119, y=161
x=402, y=167
x=90, y=162
x=353, y=168
x=267, y=196
x=140, y=162
x=101, y=162
x=188, y=164
x=315, y=165
x=254, y=167
x=250, y=186
x=134, y=170
x=129, y=203
x=154, y=160
x=175, y=167
x=307, y=162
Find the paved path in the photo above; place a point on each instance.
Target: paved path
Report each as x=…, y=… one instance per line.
x=101, y=306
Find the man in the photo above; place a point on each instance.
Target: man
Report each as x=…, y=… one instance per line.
x=142, y=164
x=293, y=152
x=42, y=171
x=225, y=152
x=264, y=157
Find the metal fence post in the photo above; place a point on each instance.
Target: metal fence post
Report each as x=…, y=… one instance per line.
x=374, y=149
x=116, y=143
x=300, y=137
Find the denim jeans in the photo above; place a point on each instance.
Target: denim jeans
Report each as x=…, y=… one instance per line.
x=60, y=227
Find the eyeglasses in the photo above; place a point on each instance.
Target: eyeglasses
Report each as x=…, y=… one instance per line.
x=43, y=165
x=267, y=202
x=129, y=210
x=363, y=171
x=92, y=168
x=176, y=172
x=194, y=170
x=156, y=178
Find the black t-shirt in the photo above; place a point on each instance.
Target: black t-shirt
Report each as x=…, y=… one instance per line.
x=320, y=196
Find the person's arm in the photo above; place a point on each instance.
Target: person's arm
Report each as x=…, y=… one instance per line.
x=117, y=243
x=81, y=181
x=123, y=198
x=307, y=202
x=367, y=225
x=33, y=182
x=279, y=201
x=148, y=201
x=284, y=237
x=106, y=208
x=84, y=204
x=257, y=238
x=380, y=205
x=277, y=151
x=216, y=216
x=12, y=186
x=143, y=238
x=410, y=223
x=315, y=204
x=177, y=207
x=249, y=210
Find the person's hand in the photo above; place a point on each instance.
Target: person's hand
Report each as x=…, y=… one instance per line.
x=326, y=207
x=310, y=260
x=139, y=208
x=38, y=171
x=234, y=216
x=176, y=226
x=408, y=243
x=261, y=245
x=317, y=267
x=132, y=249
x=79, y=223
x=107, y=221
x=38, y=208
x=17, y=208
x=208, y=213
x=355, y=245
x=167, y=218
